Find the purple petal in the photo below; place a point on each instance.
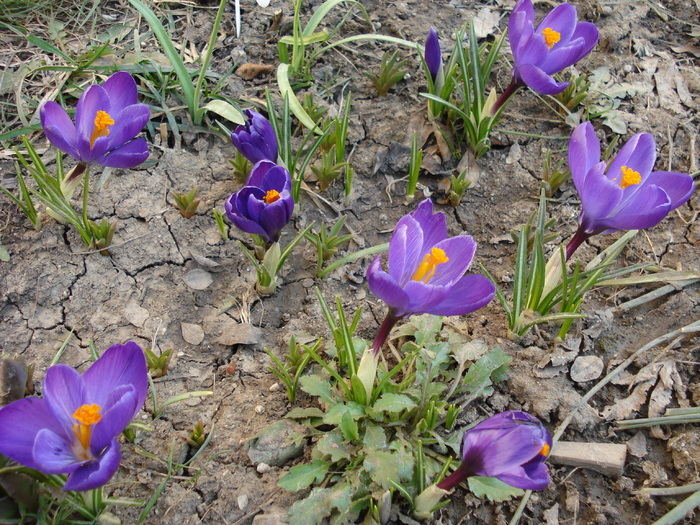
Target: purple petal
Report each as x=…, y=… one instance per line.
x=21, y=422
x=460, y=252
x=127, y=124
x=59, y=128
x=127, y=156
x=501, y=450
x=424, y=297
x=434, y=225
x=275, y=217
x=521, y=19
x=645, y=209
x=258, y=172
x=96, y=473
x=589, y=33
x=639, y=154
x=532, y=51
x=584, y=153
x=252, y=205
x=561, y=19
x=467, y=295
x=385, y=287
x=54, y=454
x=119, y=410
x=599, y=195
x=405, y=250
x=119, y=365
x=539, y=81
x=64, y=392
x=93, y=99
x=562, y=57
x=122, y=91
x=277, y=178
x=678, y=186
x=533, y=475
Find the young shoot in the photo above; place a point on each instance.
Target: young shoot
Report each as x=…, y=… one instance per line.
x=187, y=203
x=390, y=73
x=327, y=243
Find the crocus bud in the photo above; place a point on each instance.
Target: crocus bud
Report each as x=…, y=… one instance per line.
x=433, y=54
x=256, y=139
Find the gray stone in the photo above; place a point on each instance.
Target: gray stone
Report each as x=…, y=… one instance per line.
x=276, y=444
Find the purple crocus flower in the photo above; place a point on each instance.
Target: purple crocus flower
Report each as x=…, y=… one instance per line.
x=264, y=205
x=558, y=42
x=626, y=194
x=73, y=429
x=511, y=446
x=433, y=54
x=426, y=269
x=107, y=120
x=256, y=140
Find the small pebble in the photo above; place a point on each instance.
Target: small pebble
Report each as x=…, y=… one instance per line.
x=274, y=387
x=263, y=468
x=242, y=501
x=259, y=409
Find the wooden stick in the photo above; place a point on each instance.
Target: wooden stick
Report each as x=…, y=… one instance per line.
x=606, y=458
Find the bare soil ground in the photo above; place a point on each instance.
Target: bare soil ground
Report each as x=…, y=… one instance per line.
x=168, y=279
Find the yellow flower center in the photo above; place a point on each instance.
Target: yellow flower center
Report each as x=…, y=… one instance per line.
x=426, y=269
x=271, y=196
x=545, y=450
x=629, y=177
x=102, y=121
x=551, y=37
x=87, y=416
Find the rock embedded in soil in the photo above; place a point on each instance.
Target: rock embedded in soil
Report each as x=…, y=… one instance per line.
x=277, y=443
x=192, y=333
x=586, y=368
x=198, y=279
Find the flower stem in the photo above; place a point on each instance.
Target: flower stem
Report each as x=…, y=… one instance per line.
x=383, y=332
x=454, y=479
x=509, y=92
x=577, y=240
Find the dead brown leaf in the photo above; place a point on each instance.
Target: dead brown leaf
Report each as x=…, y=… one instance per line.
x=250, y=71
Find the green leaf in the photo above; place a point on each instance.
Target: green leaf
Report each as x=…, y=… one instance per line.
x=348, y=427
x=301, y=476
x=493, y=489
x=335, y=414
x=305, y=413
x=317, y=386
x=482, y=374
x=381, y=466
x=331, y=444
x=225, y=110
x=294, y=104
x=374, y=437
x=320, y=504
x=393, y=403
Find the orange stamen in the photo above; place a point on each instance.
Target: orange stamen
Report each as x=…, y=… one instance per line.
x=87, y=416
x=551, y=37
x=545, y=450
x=102, y=121
x=629, y=177
x=426, y=269
x=271, y=196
